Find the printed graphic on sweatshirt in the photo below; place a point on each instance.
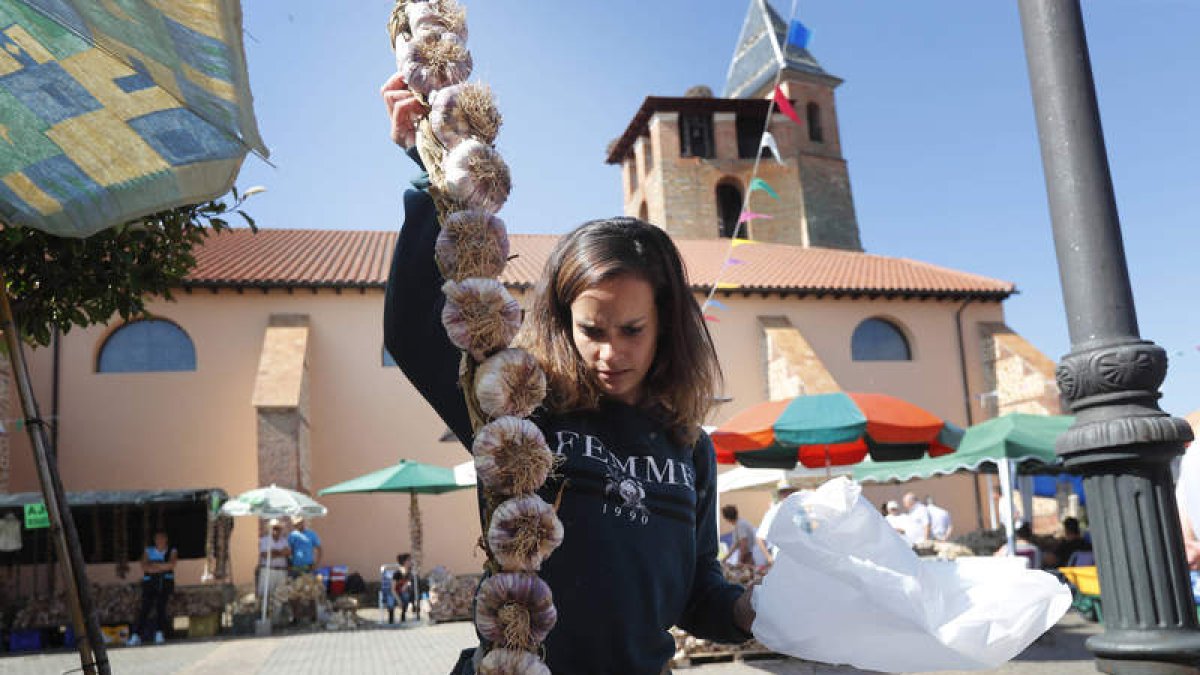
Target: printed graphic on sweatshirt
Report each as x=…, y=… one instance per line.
x=625, y=479
x=628, y=492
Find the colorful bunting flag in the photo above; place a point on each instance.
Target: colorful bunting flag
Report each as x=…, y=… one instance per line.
x=710, y=317
x=716, y=303
x=742, y=242
x=768, y=142
x=735, y=261
x=760, y=184
x=798, y=34
x=748, y=215
x=727, y=285
x=785, y=106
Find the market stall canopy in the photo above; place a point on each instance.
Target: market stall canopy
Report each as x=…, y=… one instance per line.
x=1019, y=437
x=836, y=429
x=115, y=497
x=111, y=519
x=112, y=111
x=464, y=474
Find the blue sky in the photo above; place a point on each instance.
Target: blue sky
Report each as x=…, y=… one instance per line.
x=936, y=121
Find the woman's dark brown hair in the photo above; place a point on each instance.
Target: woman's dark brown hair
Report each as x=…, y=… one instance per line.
x=685, y=374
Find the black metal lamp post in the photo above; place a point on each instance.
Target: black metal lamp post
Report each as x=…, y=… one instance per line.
x=1121, y=442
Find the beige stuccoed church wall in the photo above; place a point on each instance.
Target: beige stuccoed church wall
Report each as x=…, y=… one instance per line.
x=932, y=379
x=197, y=429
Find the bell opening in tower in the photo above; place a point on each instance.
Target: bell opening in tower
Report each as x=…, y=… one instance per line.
x=729, y=207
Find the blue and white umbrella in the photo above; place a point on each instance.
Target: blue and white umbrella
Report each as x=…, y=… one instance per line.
x=272, y=502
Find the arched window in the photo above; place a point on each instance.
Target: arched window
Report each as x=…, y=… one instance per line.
x=813, y=112
x=879, y=340
x=387, y=360
x=150, y=345
x=729, y=207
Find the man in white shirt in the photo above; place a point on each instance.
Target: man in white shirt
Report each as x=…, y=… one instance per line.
x=1004, y=507
x=918, y=517
x=899, y=521
x=940, y=525
x=277, y=545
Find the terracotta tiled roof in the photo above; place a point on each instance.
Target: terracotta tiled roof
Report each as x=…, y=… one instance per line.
x=358, y=259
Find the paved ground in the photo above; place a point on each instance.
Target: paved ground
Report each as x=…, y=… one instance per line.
x=417, y=650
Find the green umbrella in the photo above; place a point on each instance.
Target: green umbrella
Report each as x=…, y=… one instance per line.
x=1008, y=440
x=414, y=478
x=407, y=476
x=1017, y=437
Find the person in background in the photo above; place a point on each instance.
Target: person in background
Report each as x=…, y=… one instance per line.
x=898, y=520
x=1003, y=507
x=305, y=546
x=404, y=589
x=940, y=525
x=747, y=547
x=918, y=519
x=158, y=580
x=275, y=543
x=1072, y=541
x=1187, y=496
x=1025, y=547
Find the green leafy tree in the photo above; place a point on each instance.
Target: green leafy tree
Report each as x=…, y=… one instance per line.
x=60, y=282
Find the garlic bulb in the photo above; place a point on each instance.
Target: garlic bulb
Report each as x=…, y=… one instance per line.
x=524, y=531
x=514, y=610
x=433, y=61
x=471, y=244
x=398, y=23
x=464, y=110
x=511, y=456
x=437, y=17
x=512, y=662
x=480, y=316
x=510, y=382
x=477, y=176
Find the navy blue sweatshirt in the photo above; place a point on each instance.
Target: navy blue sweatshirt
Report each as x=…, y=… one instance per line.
x=640, y=547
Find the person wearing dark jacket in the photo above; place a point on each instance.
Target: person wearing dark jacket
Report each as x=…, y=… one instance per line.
x=631, y=374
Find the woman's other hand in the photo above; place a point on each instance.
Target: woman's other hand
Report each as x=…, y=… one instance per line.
x=404, y=110
x=743, y=609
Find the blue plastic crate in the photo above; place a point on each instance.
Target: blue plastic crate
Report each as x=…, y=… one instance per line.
x=25, y=641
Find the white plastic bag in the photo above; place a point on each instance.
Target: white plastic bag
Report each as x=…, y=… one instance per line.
x=847, y=589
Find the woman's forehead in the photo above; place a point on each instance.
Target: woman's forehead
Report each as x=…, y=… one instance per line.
x=617, y=299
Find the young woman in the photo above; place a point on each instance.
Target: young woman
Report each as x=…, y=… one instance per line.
x=631, y=372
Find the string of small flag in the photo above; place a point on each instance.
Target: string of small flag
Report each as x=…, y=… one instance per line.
x=798, y=35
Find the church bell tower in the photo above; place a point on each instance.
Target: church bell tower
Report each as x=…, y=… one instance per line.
x=686, y=162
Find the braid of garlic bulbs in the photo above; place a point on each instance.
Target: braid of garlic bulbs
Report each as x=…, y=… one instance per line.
x=469, y=183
